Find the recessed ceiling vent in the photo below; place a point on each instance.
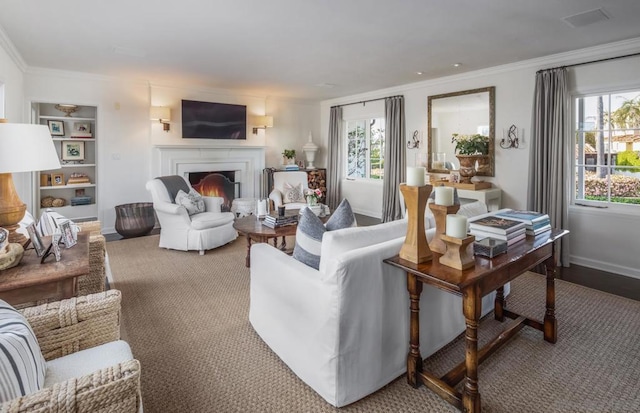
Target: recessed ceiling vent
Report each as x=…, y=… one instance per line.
x=586, y=18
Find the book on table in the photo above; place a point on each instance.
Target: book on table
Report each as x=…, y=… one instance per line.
x=538, y=231
x=504, y=237
x=510, y=241
x=273, y=220
x=496, y=225
x=531, y=219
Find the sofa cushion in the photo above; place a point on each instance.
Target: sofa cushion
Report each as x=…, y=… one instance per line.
x=293, y=193
x=206, y=220
x=192, y=201
x=342, y=217
x=309, y=239
x=21, y=363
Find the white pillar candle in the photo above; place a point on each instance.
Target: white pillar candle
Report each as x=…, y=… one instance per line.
x=456, y=226
x=262, y=207
x=415, y=176
x=444, y=195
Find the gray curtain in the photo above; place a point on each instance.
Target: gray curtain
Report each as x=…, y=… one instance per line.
x=550, y=174
x=334, y=167
x=395, y=159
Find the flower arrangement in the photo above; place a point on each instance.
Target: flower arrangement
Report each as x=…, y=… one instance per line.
x=313, y=195
x=471, y=144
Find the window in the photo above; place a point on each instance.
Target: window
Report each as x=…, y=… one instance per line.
x=365, y=148
x=607, y=152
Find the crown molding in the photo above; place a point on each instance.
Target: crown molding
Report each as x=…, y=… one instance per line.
x=10, y=48
x=69, y=74
x=567, y=58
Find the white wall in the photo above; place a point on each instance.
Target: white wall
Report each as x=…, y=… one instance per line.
x=125, y=135
x=599, y=239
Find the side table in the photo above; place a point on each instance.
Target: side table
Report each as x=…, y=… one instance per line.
x=32, y=281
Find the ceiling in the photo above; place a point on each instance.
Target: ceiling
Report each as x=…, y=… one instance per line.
x=302, y=49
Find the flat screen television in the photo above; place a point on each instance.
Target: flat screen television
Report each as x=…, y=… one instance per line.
x=207, y=120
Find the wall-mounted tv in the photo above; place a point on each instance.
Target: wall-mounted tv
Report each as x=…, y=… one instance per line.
x=206, y=120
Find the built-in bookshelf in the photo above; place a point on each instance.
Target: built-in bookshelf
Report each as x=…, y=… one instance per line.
x=73, y=130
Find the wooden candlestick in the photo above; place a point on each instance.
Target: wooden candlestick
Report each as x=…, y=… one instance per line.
x=440, y=213
x=458, y=255
x=415, y=247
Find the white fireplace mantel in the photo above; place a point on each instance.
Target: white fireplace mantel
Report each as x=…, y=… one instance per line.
x=247, y=161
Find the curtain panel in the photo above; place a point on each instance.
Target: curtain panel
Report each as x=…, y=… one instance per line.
x=549, y=189
x=394, y=158
x=334, y=167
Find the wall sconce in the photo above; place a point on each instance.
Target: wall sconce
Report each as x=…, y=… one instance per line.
x=262, y=122
x=162, y=114
x=414, y=143
x=510, y=138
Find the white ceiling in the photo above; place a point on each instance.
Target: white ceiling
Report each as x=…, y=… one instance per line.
x=297, y=48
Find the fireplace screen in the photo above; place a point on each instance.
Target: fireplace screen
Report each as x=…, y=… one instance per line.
x=220, y=184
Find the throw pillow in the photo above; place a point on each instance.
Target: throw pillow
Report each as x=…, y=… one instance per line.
x=293, y=193
x=21, y=363
x=342, y=217
x=309, y=239
x=192, y=201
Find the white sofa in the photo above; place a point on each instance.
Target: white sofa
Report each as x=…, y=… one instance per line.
x=344, y=329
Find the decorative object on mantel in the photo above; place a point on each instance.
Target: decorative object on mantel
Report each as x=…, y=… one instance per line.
x=414, y=143
x=415, y=248
x=511, y=140
x=68, y=109
x=310, y=150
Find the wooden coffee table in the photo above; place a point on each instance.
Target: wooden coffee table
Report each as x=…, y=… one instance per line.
x=252, y=228
x=32, y=281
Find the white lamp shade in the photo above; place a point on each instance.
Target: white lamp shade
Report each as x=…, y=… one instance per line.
x=26, y=148
x=264, y=121
x=162, y=113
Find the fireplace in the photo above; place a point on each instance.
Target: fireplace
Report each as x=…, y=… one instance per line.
x=216, y=183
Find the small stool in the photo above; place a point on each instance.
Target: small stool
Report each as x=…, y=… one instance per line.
x=243, y=207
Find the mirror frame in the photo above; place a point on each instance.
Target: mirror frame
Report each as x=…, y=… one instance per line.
x=492, y=135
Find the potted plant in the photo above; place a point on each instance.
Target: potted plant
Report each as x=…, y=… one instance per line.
x=469, y=150
x=289, y=156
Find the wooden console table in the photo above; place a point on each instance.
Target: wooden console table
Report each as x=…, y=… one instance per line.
x=32, y=281
x=472, y=285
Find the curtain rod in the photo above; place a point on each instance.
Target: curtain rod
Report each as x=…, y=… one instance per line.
x=365, y=101
x=590, y=62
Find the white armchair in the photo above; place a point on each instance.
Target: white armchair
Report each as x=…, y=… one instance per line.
x=282, y=180
x=181, y=231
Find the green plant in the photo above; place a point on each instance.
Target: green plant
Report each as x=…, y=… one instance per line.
x=471, y=144
x=289, y=153
x=628, y=158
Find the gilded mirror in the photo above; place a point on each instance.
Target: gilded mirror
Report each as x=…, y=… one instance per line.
x=467, y=112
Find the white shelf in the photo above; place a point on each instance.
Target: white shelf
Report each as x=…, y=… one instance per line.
x=49, y=117
x=69, y=186
x=78, y=165
x=74, y=139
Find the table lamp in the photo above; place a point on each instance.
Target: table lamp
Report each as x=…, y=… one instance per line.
x=23, y=148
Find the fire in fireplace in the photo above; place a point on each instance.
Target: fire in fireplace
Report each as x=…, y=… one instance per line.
x=219, y=183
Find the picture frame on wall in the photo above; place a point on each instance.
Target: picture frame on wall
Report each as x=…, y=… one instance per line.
x=56, y=127
x=72, y=151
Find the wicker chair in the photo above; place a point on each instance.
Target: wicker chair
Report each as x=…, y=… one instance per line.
x=94, y=282
x=70, y=326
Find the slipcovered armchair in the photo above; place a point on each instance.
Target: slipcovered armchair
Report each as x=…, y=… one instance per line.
x=289, y=189
x=180, y=231
x=88, y=367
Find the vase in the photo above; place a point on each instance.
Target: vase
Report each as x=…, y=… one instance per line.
x=135, y=220
x=468, y=167
x=312, y=200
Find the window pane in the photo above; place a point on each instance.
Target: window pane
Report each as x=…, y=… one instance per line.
x=376, y=149
x=356, y=149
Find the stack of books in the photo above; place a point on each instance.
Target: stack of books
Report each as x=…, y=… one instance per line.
x=292, y=167
x=272, y=220
x=80, y=200
x=497, y=228
x=535, y=223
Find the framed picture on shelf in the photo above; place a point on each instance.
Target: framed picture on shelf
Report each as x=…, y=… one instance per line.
x=36, y=240
x=80, y=192
x=56, y=127
x=72, y=151
x=84, y=127
x=67, y=234
x=57, y=179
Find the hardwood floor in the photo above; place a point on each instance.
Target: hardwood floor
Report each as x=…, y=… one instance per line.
x=600, y=280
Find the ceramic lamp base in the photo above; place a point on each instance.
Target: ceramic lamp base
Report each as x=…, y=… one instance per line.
x=458, y=254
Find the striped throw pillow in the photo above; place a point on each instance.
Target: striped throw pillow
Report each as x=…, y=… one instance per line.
x=309, y=239
x=22, y=367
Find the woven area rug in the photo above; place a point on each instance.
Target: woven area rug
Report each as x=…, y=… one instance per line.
x=186, y=319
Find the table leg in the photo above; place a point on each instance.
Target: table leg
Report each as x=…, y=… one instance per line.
x=414, y=359
x=247, y=261
x=472, y=306
x=283, y=244
x=550, y=322
x=498, y=307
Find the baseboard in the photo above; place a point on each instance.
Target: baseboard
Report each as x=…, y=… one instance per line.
x=369, y=213
x=605, y=266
